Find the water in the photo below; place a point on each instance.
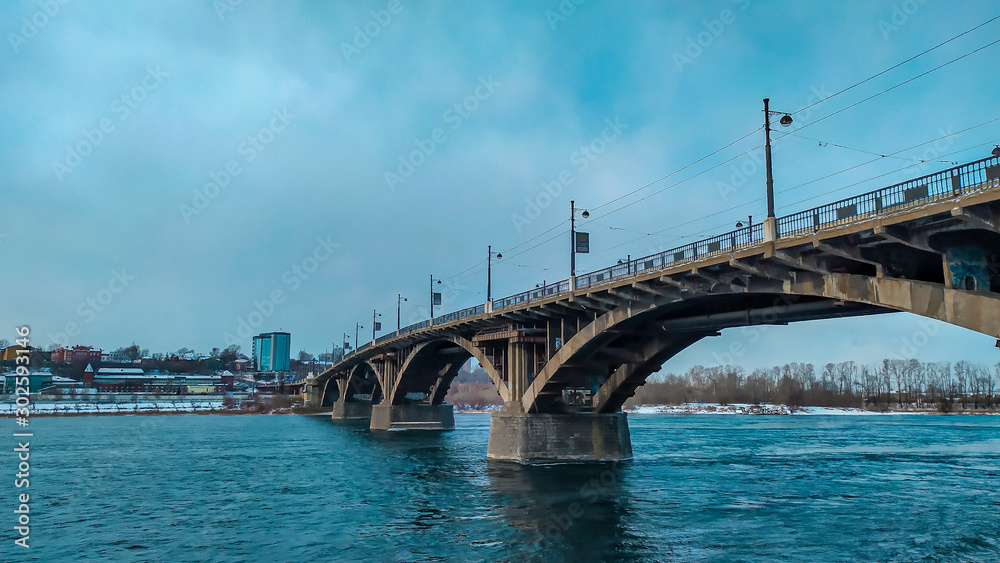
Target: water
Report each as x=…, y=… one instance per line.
x=701, y=488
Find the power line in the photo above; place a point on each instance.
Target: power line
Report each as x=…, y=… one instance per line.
x=879, y=176
x=741, y=205
x=755, y=148
x=677, y=171
x=874, y=76
x=873, y=96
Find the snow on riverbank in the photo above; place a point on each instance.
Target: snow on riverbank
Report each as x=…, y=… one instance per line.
x=140, y=407
x=742, y=408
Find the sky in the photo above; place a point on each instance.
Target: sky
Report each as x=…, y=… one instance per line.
x=189, y=174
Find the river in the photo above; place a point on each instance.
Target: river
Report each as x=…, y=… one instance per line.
x=227, y=488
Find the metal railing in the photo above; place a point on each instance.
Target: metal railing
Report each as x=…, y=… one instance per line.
x=956, y=181
x=911, y=193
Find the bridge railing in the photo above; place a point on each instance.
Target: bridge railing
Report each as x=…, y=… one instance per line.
x=720, y=244
x=547, y=290
x=459, y=315
x=911, y=193
x=948, y=183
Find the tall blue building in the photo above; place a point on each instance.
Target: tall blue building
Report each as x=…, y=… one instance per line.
x=271, y=351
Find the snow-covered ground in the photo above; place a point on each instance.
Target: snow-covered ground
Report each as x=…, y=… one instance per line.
x=743, y=408
x=51, y=407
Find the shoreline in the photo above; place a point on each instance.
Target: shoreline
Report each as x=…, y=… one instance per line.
x=212, y=407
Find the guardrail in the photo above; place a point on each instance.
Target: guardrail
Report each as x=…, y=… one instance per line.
x=959, y=180
x=911, y=193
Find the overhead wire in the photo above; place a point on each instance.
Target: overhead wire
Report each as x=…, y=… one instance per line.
x=795, y=132
x=895, y=66
x=786, y=190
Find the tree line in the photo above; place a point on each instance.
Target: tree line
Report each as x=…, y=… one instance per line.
x=891, y=383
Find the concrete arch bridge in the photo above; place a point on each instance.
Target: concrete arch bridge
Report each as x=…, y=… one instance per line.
x=565, y=357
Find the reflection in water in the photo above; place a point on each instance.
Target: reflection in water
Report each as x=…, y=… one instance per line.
x=579, y=510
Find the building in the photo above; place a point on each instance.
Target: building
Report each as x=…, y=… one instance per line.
x=271, y=351
x=134, y=380
x=37, y=381
x=10, y=354
x=76, y=353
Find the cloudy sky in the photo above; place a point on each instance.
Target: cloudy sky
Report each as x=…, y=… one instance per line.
x=192, y=173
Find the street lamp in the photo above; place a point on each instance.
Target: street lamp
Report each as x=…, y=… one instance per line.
x=343, y=350
x=432, y=298
x=375, y=324
x=739, y=224
x=399, y=306
x=357, y=327
x=785, y=121
x=572, y=236
x=489, y=271
x=628, y=260
x=996, y=150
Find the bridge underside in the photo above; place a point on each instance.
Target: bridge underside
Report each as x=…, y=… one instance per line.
x=572, y=358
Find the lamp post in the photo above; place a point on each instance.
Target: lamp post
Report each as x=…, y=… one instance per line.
x=628, y=260
x=343, y=349
x=785, y=121
x=357, y=327
x=489, y=271
x=432, y=298
x=572, y=236
x=374, y=323
x=399, y=307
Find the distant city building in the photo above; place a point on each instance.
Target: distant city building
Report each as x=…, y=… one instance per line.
x=271, y=351
x=10, y=354
x=116, y=357
x=38, y=380
x=135, y=380
x=76, y=353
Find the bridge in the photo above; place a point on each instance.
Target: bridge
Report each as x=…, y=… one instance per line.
x=565, y=357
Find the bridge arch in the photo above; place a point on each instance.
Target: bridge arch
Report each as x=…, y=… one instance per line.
x=431, y=366
x=602, y=350
x=978, y=311
x=617, y=349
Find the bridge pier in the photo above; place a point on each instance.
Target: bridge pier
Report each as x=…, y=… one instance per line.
x=412, y=417
x=559, y=437
x=351, y=410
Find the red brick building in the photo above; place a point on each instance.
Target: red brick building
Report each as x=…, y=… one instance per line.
x=76, y=353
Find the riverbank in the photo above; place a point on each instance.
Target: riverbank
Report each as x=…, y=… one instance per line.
x=219, y=406
x=749, y=409
x=151, y=406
